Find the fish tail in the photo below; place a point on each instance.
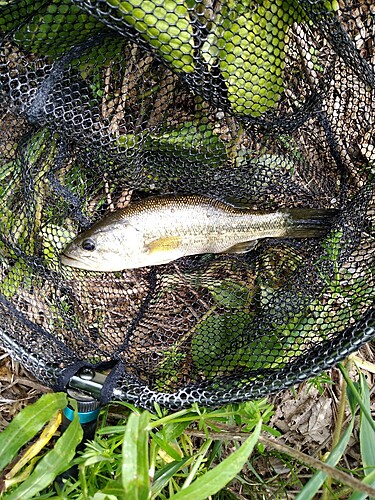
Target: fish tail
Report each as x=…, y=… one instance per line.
x=309, y=223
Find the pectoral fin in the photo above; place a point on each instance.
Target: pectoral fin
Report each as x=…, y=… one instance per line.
x=165, y=244
x=243, y=247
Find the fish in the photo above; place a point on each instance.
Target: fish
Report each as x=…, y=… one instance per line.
x=161, y=229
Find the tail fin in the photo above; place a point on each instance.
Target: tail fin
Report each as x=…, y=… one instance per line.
x=310, y=222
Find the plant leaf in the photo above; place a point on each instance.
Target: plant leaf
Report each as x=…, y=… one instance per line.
x=28, y=423
x=200, y=143
x=164, y=475
x=56, y=27
x=173, y=430
x=165, y=21
x=354, y=395
x=215, y=479
x=113, y=489
x=135, y=463
x=367, y=433
x=33, y=450
x=313, y=485
x=370, y=481
x=164, y=445
x=52, y=464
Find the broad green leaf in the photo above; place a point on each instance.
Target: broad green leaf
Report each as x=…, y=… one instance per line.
x=12, y=14
x=190, y=141
x=216, y=479
x=52, y=464
x=135, y=463
x=165, y=25
x=199, y=144
x=247, y=43
x=163, y=476
x=55, y=28
x=28, y=423
x=214, y=343
x=189, y=135
x=218, y=345
x=230, y=294
x=314, y=484
x=34, y=449
x=367, y=433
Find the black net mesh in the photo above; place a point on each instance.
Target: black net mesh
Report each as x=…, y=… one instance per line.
x=260, y=103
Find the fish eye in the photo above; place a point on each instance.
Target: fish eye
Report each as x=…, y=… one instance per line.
x=88, y=244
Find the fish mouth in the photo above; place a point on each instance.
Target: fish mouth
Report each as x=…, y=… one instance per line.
x=68, y=261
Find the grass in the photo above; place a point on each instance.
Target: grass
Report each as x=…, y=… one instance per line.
x=193, y=453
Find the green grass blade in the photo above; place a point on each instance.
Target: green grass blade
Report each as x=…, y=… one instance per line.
x=366, y=432
x=163, y=476
x=312, y=487
x=28, y=423
x=135, y=461
x=52, y=464
x=370, y=481
x=217, y=478
x=356, y=395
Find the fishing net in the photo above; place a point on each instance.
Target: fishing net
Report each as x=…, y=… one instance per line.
x=262, y=103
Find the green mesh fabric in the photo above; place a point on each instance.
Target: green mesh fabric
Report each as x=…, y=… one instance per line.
x=265, y=103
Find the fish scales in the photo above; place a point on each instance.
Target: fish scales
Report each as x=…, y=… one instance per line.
x=159, y=230
x=200, y=217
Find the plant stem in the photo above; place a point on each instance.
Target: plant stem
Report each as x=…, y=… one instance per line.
x=312, y=462
x=337, y=431
x=167, y=418
x=202, y=453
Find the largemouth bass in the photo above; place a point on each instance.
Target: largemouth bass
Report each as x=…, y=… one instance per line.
x=159, y=230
